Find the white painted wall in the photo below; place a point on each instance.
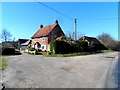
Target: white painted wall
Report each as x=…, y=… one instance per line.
x=43, y=49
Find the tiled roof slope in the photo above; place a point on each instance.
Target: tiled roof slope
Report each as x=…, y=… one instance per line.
x=44, y=31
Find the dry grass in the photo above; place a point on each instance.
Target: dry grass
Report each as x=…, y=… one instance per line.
x=3, y=63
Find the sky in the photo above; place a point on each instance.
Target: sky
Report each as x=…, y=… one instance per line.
x=23, y=19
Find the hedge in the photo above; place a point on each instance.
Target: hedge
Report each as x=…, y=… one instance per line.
x=82, y=46
x=59, y=47
x=8, y=51
x=30, y=48
x=96, y=47
x=63, y=47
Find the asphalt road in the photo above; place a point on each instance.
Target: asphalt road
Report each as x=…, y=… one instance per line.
x=90, y=71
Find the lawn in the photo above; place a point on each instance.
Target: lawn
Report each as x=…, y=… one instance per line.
x=79, y=53
x=3, y=63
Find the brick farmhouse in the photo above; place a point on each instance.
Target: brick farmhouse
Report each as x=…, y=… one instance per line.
x=42, y=38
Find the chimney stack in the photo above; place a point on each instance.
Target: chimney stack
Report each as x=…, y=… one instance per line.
x=56, y=21
x=41, y=26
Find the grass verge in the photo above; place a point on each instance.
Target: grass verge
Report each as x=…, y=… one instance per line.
x=79, y=53
x=33, y=53
x=3, y=63
x=70, y=54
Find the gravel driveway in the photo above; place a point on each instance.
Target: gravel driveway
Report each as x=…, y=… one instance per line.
x=35, y=71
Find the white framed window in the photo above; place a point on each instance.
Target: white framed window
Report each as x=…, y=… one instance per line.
x=42, y=47
x=43, y=39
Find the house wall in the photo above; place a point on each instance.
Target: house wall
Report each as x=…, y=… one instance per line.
x=56, y=32
x=48, y=47
x=43, y=41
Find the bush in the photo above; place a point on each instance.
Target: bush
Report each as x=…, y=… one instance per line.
x=59, y=47
x=8, y=51
x=52, y=46
x=96, y=47
x=30, y=48
x=82, y=46
x=0, y=50
x=63, y=47
x=72, y=48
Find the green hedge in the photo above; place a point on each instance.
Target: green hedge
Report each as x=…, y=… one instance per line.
x=8, y=51
x=63, y=47
x=82, y=46
x=59, y=47
x=96, y=47
x=30, y=48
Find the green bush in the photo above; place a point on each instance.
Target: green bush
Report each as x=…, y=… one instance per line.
x=73, y=48
x=30, y=48
x=59, y=47
x=63, y=47
x=52, y=47
x=96, y=47
x=8, y=51
x=0, y=50
x=82, y=46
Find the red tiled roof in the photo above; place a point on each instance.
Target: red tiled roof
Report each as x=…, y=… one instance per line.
x=44, y=31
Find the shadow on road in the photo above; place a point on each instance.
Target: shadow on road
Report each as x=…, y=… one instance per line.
x=18, y=53
x=9, y=54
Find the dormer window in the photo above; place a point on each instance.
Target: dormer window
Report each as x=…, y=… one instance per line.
x=43, y=39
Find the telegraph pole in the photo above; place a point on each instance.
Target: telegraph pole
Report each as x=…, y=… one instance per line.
x=75, y=27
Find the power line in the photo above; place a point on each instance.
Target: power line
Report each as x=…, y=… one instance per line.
x=63, y=15
x=54, y=10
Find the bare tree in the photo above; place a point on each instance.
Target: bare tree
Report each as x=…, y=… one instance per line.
x=80, y=35
x=108, y=41
x=70, y=36
x=14, y=43
x=6, y=35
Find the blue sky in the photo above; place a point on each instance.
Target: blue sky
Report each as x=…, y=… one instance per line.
x=23, y=19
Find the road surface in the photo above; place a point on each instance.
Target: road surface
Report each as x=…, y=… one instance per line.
x=37, y=71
